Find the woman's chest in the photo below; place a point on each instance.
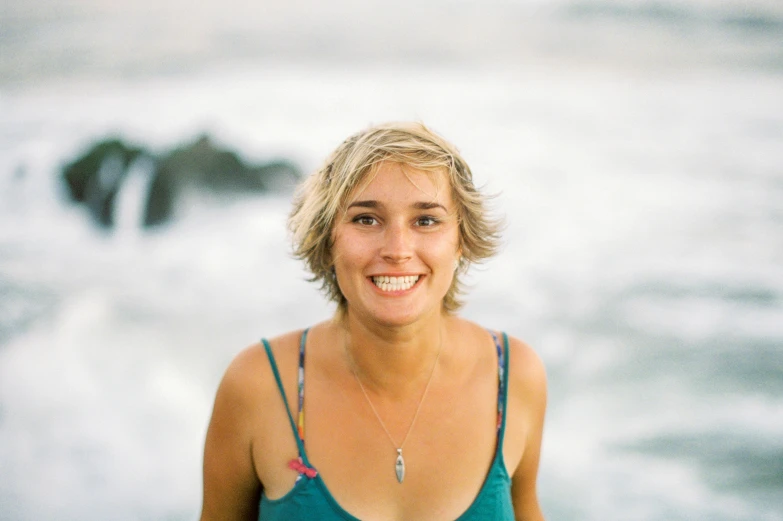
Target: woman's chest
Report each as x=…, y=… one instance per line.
x=447, y=447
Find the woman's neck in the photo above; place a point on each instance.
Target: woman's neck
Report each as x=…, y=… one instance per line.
x=393, y=361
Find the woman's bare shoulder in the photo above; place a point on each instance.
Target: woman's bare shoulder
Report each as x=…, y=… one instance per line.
x=249, y=376
x=527, y=384
x=246, y=404
x=525, y=366
x=523, y=361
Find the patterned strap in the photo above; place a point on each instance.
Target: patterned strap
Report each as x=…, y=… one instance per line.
x=502, y=350
x=300, y=464
x=300, y=416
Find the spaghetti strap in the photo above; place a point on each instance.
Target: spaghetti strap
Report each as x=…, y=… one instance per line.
x=502, y=352
x=300, y=387
x=503, y=389
x=276, y=372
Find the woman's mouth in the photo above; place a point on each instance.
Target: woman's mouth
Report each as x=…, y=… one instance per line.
x=385, y=283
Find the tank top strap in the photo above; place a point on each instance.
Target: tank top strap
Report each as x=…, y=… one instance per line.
x=278, y=380
x=502, y=351
x=300, y=387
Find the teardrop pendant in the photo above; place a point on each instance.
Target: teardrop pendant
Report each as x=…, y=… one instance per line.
x=399, y=466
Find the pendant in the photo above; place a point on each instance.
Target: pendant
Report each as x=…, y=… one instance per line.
x=399, y=466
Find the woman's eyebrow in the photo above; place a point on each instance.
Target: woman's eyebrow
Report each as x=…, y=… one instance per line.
x=365, y=204
x=422, y=205
x=429, y=206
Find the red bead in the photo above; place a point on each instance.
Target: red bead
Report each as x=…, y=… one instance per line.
x=301, y=468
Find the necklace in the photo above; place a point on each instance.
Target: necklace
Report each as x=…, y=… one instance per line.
x=399, y=464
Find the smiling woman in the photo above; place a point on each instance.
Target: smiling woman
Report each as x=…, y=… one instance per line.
x=412, y=413
x=395, y=247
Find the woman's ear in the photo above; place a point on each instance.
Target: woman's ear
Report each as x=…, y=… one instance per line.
x=458, y=261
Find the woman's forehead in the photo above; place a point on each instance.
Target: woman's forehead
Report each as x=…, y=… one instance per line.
x=392, y=179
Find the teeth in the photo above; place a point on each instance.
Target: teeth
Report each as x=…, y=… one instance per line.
x=395, y=283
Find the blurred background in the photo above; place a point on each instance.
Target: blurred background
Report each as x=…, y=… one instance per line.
x=636, y=147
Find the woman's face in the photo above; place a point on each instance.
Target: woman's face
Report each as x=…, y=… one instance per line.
x=395, y=246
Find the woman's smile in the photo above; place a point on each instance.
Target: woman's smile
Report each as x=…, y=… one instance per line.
x=395, y=285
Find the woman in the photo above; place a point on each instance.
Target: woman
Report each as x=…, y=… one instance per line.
x=403, y=411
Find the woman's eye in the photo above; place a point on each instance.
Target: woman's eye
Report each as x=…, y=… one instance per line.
x=426, y=221
x=365, y=220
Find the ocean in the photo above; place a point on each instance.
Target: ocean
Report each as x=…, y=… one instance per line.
x=636, y=152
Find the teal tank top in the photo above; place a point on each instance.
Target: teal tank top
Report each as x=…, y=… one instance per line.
x=310, y=498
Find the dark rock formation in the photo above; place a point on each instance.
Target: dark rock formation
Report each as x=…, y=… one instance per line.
x=95, y=178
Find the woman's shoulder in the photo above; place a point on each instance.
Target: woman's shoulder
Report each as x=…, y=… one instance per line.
x=524, y=364
x=250, y=376
x=525, y=368
x=527, y=382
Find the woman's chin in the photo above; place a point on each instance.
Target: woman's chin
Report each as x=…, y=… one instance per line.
x=396, y=315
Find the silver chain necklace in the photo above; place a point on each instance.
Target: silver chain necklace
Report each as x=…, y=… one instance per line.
x=399, y=464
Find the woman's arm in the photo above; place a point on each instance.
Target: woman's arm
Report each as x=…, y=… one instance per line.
x=527, y=383
x=231, y=486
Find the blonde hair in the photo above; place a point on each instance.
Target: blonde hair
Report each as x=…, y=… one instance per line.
x=322, y=196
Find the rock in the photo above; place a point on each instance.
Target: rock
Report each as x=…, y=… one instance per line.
x=95, y=178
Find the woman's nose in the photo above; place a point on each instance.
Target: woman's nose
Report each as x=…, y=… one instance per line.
x=397, y=243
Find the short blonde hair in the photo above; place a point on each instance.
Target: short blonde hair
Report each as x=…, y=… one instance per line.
x=322, y=196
